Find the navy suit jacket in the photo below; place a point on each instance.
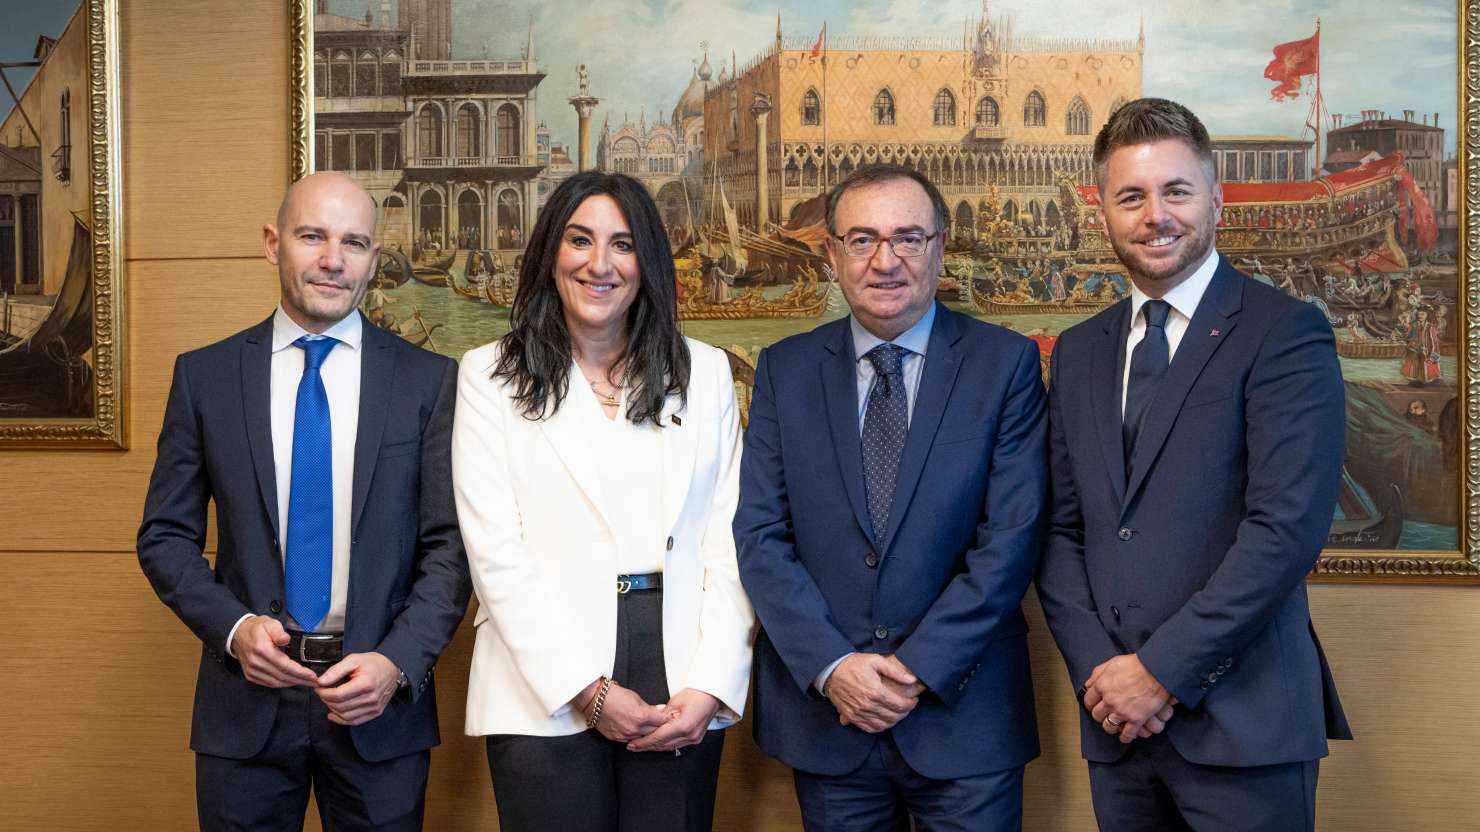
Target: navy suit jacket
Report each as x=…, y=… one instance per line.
x=942, y=590
x=408, y=584
x=1196, y=562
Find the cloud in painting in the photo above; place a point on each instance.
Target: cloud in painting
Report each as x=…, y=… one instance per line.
x=1391, y=55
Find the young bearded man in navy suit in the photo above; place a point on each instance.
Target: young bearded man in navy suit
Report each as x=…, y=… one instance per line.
x=339, y=573
x=1196, y=447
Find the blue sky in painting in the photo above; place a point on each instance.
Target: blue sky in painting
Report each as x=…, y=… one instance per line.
x=1210, y=54
x=25, y=20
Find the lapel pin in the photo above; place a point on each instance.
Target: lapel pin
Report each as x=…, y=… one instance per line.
x=1213, y=334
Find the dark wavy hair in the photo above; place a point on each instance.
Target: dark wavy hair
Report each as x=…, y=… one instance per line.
x=536, y=353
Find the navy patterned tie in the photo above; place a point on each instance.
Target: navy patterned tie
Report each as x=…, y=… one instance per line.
x=1148, y=365
x=309, y=563
x=885, y=423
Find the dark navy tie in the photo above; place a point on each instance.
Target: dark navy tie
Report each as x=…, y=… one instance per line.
x=885, y=423
x=1148, y=365
x=309, y=563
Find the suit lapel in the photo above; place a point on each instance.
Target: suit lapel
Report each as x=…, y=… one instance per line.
x=256, y=369
x=840, y=394
x=377, y=369
x=937, y=377
x=569, y=435
x=1209, y=327
x=1108, y=362
x=680, y=444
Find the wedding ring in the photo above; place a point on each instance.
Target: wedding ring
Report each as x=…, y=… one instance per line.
x=1113, y=722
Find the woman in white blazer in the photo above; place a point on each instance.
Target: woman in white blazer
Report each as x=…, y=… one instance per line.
x=595, y=465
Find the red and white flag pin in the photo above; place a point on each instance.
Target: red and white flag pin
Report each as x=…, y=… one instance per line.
x=1213, y=334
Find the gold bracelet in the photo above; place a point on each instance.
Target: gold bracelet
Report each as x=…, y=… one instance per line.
x=597, y=701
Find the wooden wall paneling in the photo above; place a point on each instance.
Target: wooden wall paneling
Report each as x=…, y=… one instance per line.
x=205, y=124
x=91, y=500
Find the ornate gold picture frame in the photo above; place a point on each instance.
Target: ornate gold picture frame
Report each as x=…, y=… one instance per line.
x=446, y=143
x=62, y=353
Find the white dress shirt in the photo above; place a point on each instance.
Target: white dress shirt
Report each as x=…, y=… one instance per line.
x=341, y=375
x=1183, y=299
x=630, y=459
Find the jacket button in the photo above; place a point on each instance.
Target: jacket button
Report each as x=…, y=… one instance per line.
x=1115, y=611
x=1228, y=663
x=1205, y=685
x=670, y=543
x=881, y=632
x=1124, y=534
x=1213, y=677
x=276, y=607
x=871, y=560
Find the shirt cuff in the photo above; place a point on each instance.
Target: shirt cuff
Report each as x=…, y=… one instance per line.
x=231, y=636
x=821, y=681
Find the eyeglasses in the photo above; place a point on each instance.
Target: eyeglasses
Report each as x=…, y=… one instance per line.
x=909, y=244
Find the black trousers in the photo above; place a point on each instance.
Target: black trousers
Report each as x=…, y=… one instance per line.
x=270, y=791
x=585, y=782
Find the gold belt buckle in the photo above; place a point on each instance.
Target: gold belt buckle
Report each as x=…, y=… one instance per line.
x=624, y=587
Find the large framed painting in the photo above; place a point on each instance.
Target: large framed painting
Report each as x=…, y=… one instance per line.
x=62, y=373
x=1344, y=144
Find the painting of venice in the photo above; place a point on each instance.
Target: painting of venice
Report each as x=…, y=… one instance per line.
x=49, y=361
x=1334, y=131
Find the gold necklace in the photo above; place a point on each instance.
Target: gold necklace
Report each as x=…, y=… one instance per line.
x=606, y=399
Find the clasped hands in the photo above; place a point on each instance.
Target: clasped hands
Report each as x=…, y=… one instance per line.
x=626, y=717
x=356, y=689
x=872, y=692
x=1126, y=699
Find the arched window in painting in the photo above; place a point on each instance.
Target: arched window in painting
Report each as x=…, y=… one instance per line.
x=508, y=132
x=987, y=112
x=510, y=226
x=811, y=108
x=1035, y=111
x=429, y=132
x=884, y=107
x=431, y=215
x=1076, y=119
x=469, y=137
x=945, y=108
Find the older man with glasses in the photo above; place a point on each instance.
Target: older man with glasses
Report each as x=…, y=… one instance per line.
x=892, y=490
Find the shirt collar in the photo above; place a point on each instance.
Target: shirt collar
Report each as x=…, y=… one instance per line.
x=913, y=339
x=348, y=331
x=1187, y=294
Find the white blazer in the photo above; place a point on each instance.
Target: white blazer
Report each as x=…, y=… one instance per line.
x=543, y=558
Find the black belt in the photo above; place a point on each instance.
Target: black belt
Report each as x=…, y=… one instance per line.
x=314, y=649
x=638, y=583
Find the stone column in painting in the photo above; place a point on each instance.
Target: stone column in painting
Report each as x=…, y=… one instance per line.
x=585, y=105
x=760, y=107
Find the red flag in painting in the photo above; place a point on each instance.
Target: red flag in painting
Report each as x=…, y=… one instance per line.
x=1292, y=61
x=1426, y=227
x=817, y=47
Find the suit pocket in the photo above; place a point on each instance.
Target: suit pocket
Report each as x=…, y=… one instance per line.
x=957, y=439
x=394, y=449
x=1211, y=397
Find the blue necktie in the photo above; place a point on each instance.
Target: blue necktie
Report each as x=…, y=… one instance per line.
x=1148, y=365
x=885, y=423
x=309, y=563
